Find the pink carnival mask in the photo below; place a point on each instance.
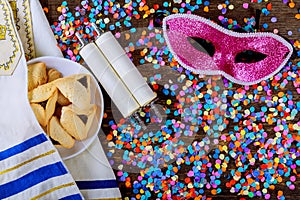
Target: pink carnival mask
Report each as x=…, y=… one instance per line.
x=204, y=47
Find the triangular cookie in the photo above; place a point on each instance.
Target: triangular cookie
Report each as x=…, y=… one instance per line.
x=37, y=75
x=76, y=88
x=77, y=122
x=58, y=134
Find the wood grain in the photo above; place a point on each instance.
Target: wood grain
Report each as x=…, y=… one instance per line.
x=286, y=22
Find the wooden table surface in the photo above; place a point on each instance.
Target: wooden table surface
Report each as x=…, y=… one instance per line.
x=285, y=22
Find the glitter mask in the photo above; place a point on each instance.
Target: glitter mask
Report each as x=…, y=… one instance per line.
x=204, y=47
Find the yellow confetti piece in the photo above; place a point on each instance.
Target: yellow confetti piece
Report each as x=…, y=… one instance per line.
x=252, y=160
x=239, y=164
x=112, y=151
x=154, y=61
x=235, y=96
x=236, y=178
x=115, y=132
x=292, y=4
x=225, y=148
x=275, y=98
x=247, y=112
x=231, y=7
x=296, y=127
x=152, y=10
x=224, y=165
x=260, y=88
x=243, y=132
x=206, y=9
x=127, y=36
x=297, y=44
x=169, y=102
x=265, y=191
x=278, y=134
x=206, y=128
x=189, y=83
x=209, y=91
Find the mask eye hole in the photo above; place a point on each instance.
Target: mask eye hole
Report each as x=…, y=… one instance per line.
x=202, y=45
x=249, y=56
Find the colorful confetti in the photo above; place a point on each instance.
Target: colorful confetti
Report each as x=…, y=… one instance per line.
x=215, y=136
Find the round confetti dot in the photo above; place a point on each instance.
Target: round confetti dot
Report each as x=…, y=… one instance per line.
x=273, y=19
x=231, y=7
x=292, y=187
x=269, y=6
x=245, y=5
x=292, y=4
x=265, y=25
x=293, y=178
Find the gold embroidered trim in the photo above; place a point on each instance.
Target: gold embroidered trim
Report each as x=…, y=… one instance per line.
x=2, y=32
x=27, y=161
x=29, y=30
x=52, y=190
x=13, y=5
x=9, y=24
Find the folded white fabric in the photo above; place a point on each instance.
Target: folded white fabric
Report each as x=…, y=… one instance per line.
x=90, y=169
x=37, y=40
x=30, y=166
x=94, y=175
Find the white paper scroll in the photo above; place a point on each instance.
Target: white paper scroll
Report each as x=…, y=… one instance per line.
x=125, y=69
x=110, y=81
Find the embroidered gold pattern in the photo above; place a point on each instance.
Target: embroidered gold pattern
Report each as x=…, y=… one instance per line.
x=13, y=5
x=29, y=30
x=2, y=32
x=9, y=25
